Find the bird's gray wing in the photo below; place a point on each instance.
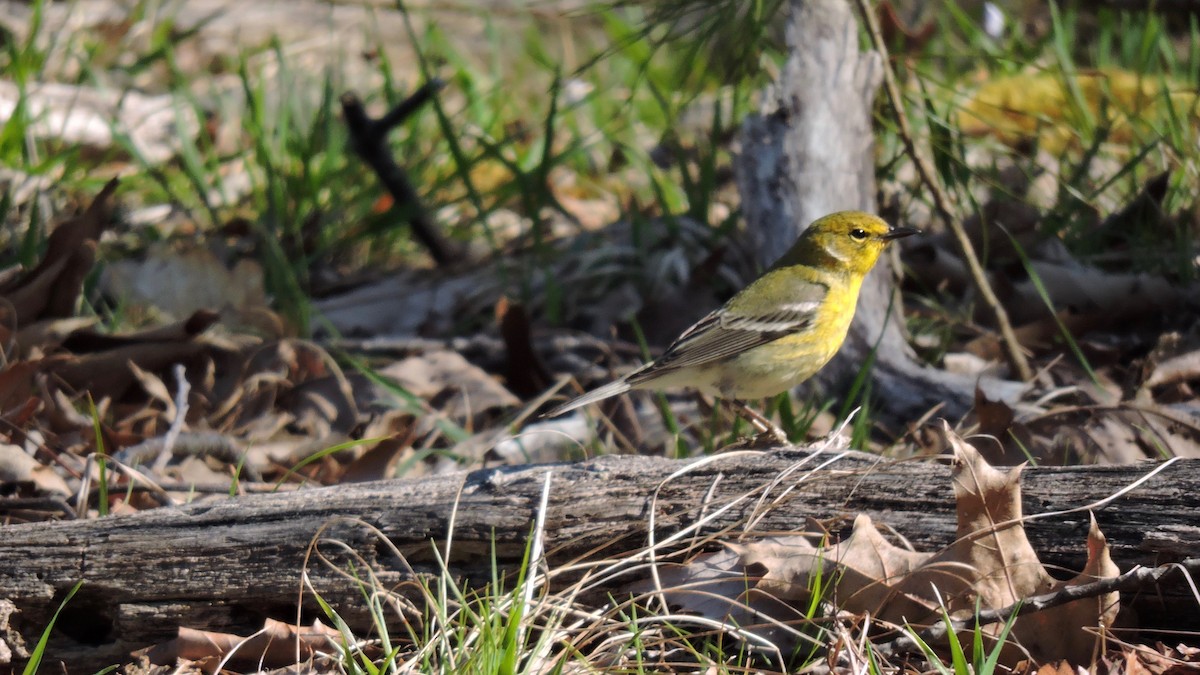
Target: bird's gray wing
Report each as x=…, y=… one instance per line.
x=722, y=335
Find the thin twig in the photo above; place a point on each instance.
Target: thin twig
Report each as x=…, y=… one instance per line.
x=183, y=387
x=12, y=506
x=1136, y=579
x=941, y=200
x=369, y=140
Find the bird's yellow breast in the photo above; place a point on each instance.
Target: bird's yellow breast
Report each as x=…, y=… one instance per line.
x=782, y=364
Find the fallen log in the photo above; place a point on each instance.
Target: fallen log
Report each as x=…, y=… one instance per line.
x=228, y=564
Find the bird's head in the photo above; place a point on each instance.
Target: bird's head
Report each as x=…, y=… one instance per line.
x=849, y=240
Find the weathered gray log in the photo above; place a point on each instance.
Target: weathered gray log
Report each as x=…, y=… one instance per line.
x=811, y=151
x=226, y=565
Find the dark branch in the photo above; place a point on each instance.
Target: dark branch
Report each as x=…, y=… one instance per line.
x=369, y=140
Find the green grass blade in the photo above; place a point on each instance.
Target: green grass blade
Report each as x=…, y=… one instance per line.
x=322, y=454
x=1045, y=296
x=101, y=461
x=35, y=657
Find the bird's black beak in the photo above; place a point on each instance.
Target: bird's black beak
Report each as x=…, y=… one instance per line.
x=900, y=232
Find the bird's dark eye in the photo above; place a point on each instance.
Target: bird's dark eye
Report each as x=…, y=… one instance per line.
x=858, y=234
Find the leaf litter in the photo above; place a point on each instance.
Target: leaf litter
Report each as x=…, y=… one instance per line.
x=237, y=402
x=803, y=580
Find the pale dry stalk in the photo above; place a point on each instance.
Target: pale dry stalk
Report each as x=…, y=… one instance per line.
x=941, y=200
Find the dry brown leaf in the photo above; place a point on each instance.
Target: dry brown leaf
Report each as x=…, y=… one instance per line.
x=1116, y=440
x=153, y=385
x=866, y=567
x=107, y=374
x=399, y=430
x=447, y=380
x=47, y=335
x=1115, y=434
x=66, y=239
x=721, y=587
x=87, y=341
x=994, y=417
x=200, y=471
x=997, y=419
x=525, y=374
x=63, y=298
x=321, y=406
x=1059, y=632
x=871, y=567
x=1164, y=660
x=31, y=299
x=19, y=417
x=16, y=382
x=1144, y=661
x=1167, y=430
x=1062, y=667
x=52, y=288
x=991, y=559
x=17, y=466
x=991, y=565
x=782, y=566
x=379, y=462
x=275, y=646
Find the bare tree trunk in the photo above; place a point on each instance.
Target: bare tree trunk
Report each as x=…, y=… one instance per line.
x=811, y=152
x=227, y=565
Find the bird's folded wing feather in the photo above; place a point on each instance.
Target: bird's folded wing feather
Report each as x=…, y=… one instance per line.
x=728, y=332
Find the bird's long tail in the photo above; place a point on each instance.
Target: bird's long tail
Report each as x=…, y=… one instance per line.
x=607, y=391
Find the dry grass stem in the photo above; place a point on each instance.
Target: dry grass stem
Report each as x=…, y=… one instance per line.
x=941, y=200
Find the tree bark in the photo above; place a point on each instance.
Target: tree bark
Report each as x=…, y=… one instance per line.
x=228, y=564
x=811, y=152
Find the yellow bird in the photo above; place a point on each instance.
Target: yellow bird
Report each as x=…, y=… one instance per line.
x=778, y=331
